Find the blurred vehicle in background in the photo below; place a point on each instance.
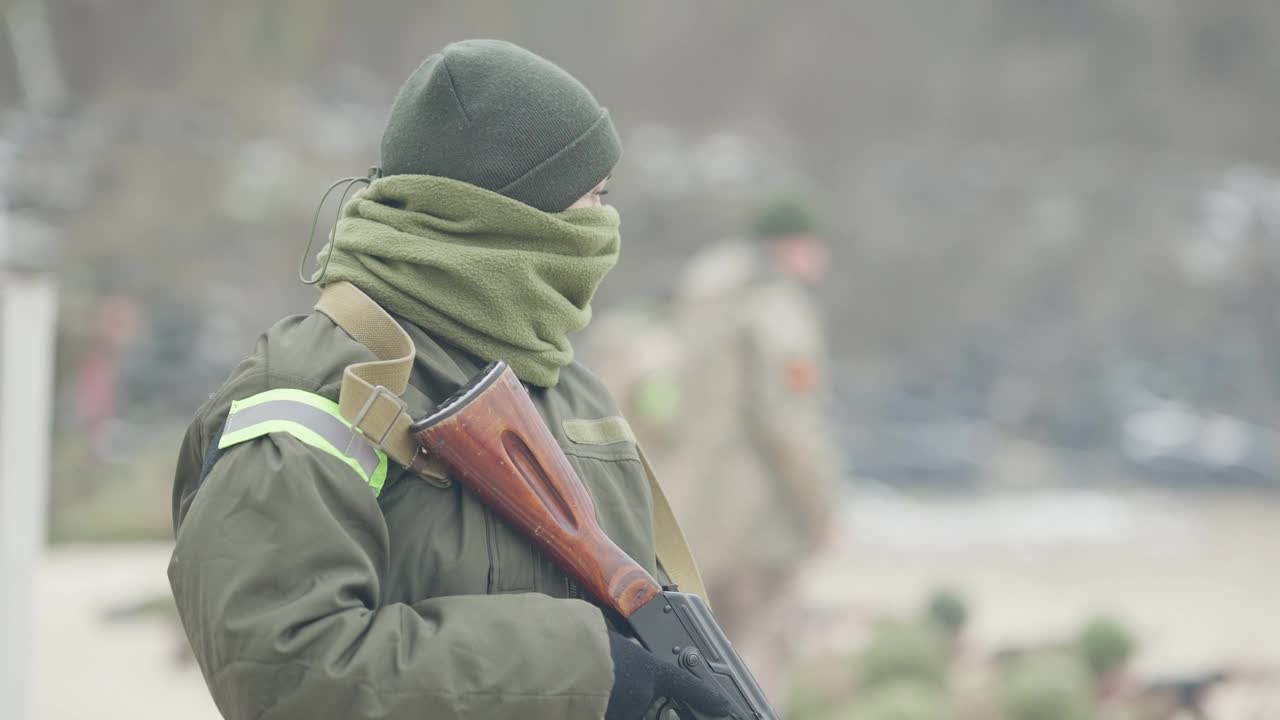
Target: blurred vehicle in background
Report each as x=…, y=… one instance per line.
x=943, y=455
x=1173, y=443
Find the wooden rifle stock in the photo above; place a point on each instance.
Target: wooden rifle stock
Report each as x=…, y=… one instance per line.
x=492, y=438
x=494, y=442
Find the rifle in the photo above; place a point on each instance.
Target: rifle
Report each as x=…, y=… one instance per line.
x=492, y=439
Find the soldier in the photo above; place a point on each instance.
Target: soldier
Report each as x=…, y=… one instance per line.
x=1048, y=686
x=1107, y=646
x=318, y=580
x=948, y=610
x=756, y=465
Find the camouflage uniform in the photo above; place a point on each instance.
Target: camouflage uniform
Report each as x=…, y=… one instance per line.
x=754, y=472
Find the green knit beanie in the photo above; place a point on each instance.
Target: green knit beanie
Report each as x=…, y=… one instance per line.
x=493, y=114
x=784, y=214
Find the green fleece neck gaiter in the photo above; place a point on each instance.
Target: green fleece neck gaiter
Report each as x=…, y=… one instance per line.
x=488, y=274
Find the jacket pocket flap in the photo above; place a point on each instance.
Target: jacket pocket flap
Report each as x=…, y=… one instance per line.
x=601, y=431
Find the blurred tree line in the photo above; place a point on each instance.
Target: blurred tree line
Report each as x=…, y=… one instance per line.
x=1047, y=215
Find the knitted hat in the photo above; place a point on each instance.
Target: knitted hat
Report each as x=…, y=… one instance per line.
x=495, y=115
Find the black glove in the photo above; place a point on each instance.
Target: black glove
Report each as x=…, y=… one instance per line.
x=639, y=679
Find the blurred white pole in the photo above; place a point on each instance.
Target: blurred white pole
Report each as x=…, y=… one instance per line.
x=35, y=55
x=28, y=303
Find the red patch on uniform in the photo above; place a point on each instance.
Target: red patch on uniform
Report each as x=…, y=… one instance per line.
x=802, y=376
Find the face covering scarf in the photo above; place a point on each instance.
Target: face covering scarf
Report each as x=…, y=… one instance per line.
x=488, y=274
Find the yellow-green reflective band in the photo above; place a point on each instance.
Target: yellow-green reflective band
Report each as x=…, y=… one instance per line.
x=310, y=418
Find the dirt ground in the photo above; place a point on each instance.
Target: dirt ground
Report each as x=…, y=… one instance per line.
x=1196, y=575
x=90, y=668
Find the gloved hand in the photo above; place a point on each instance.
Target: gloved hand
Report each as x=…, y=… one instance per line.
x=639, y=679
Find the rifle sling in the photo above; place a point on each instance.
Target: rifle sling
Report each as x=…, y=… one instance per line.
x=369, y=398
x=672, y=547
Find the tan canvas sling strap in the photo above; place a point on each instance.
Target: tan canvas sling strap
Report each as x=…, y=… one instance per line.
x=672, y=547
x=369, y=399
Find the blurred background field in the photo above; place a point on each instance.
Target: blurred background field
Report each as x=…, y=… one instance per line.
x=1051, y=307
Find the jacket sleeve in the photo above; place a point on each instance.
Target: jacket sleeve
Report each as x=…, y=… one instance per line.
x=276, y=573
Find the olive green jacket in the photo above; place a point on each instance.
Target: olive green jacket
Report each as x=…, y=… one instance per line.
x=304, y=595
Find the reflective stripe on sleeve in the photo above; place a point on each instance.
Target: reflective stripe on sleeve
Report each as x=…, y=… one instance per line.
x=310, y=418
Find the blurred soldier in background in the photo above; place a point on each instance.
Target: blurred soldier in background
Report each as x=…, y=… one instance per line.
x=749, y=454
x=1047, y=686
x=949, y=611
x=725, y=386
x=907, y=670
x=1107, y=646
